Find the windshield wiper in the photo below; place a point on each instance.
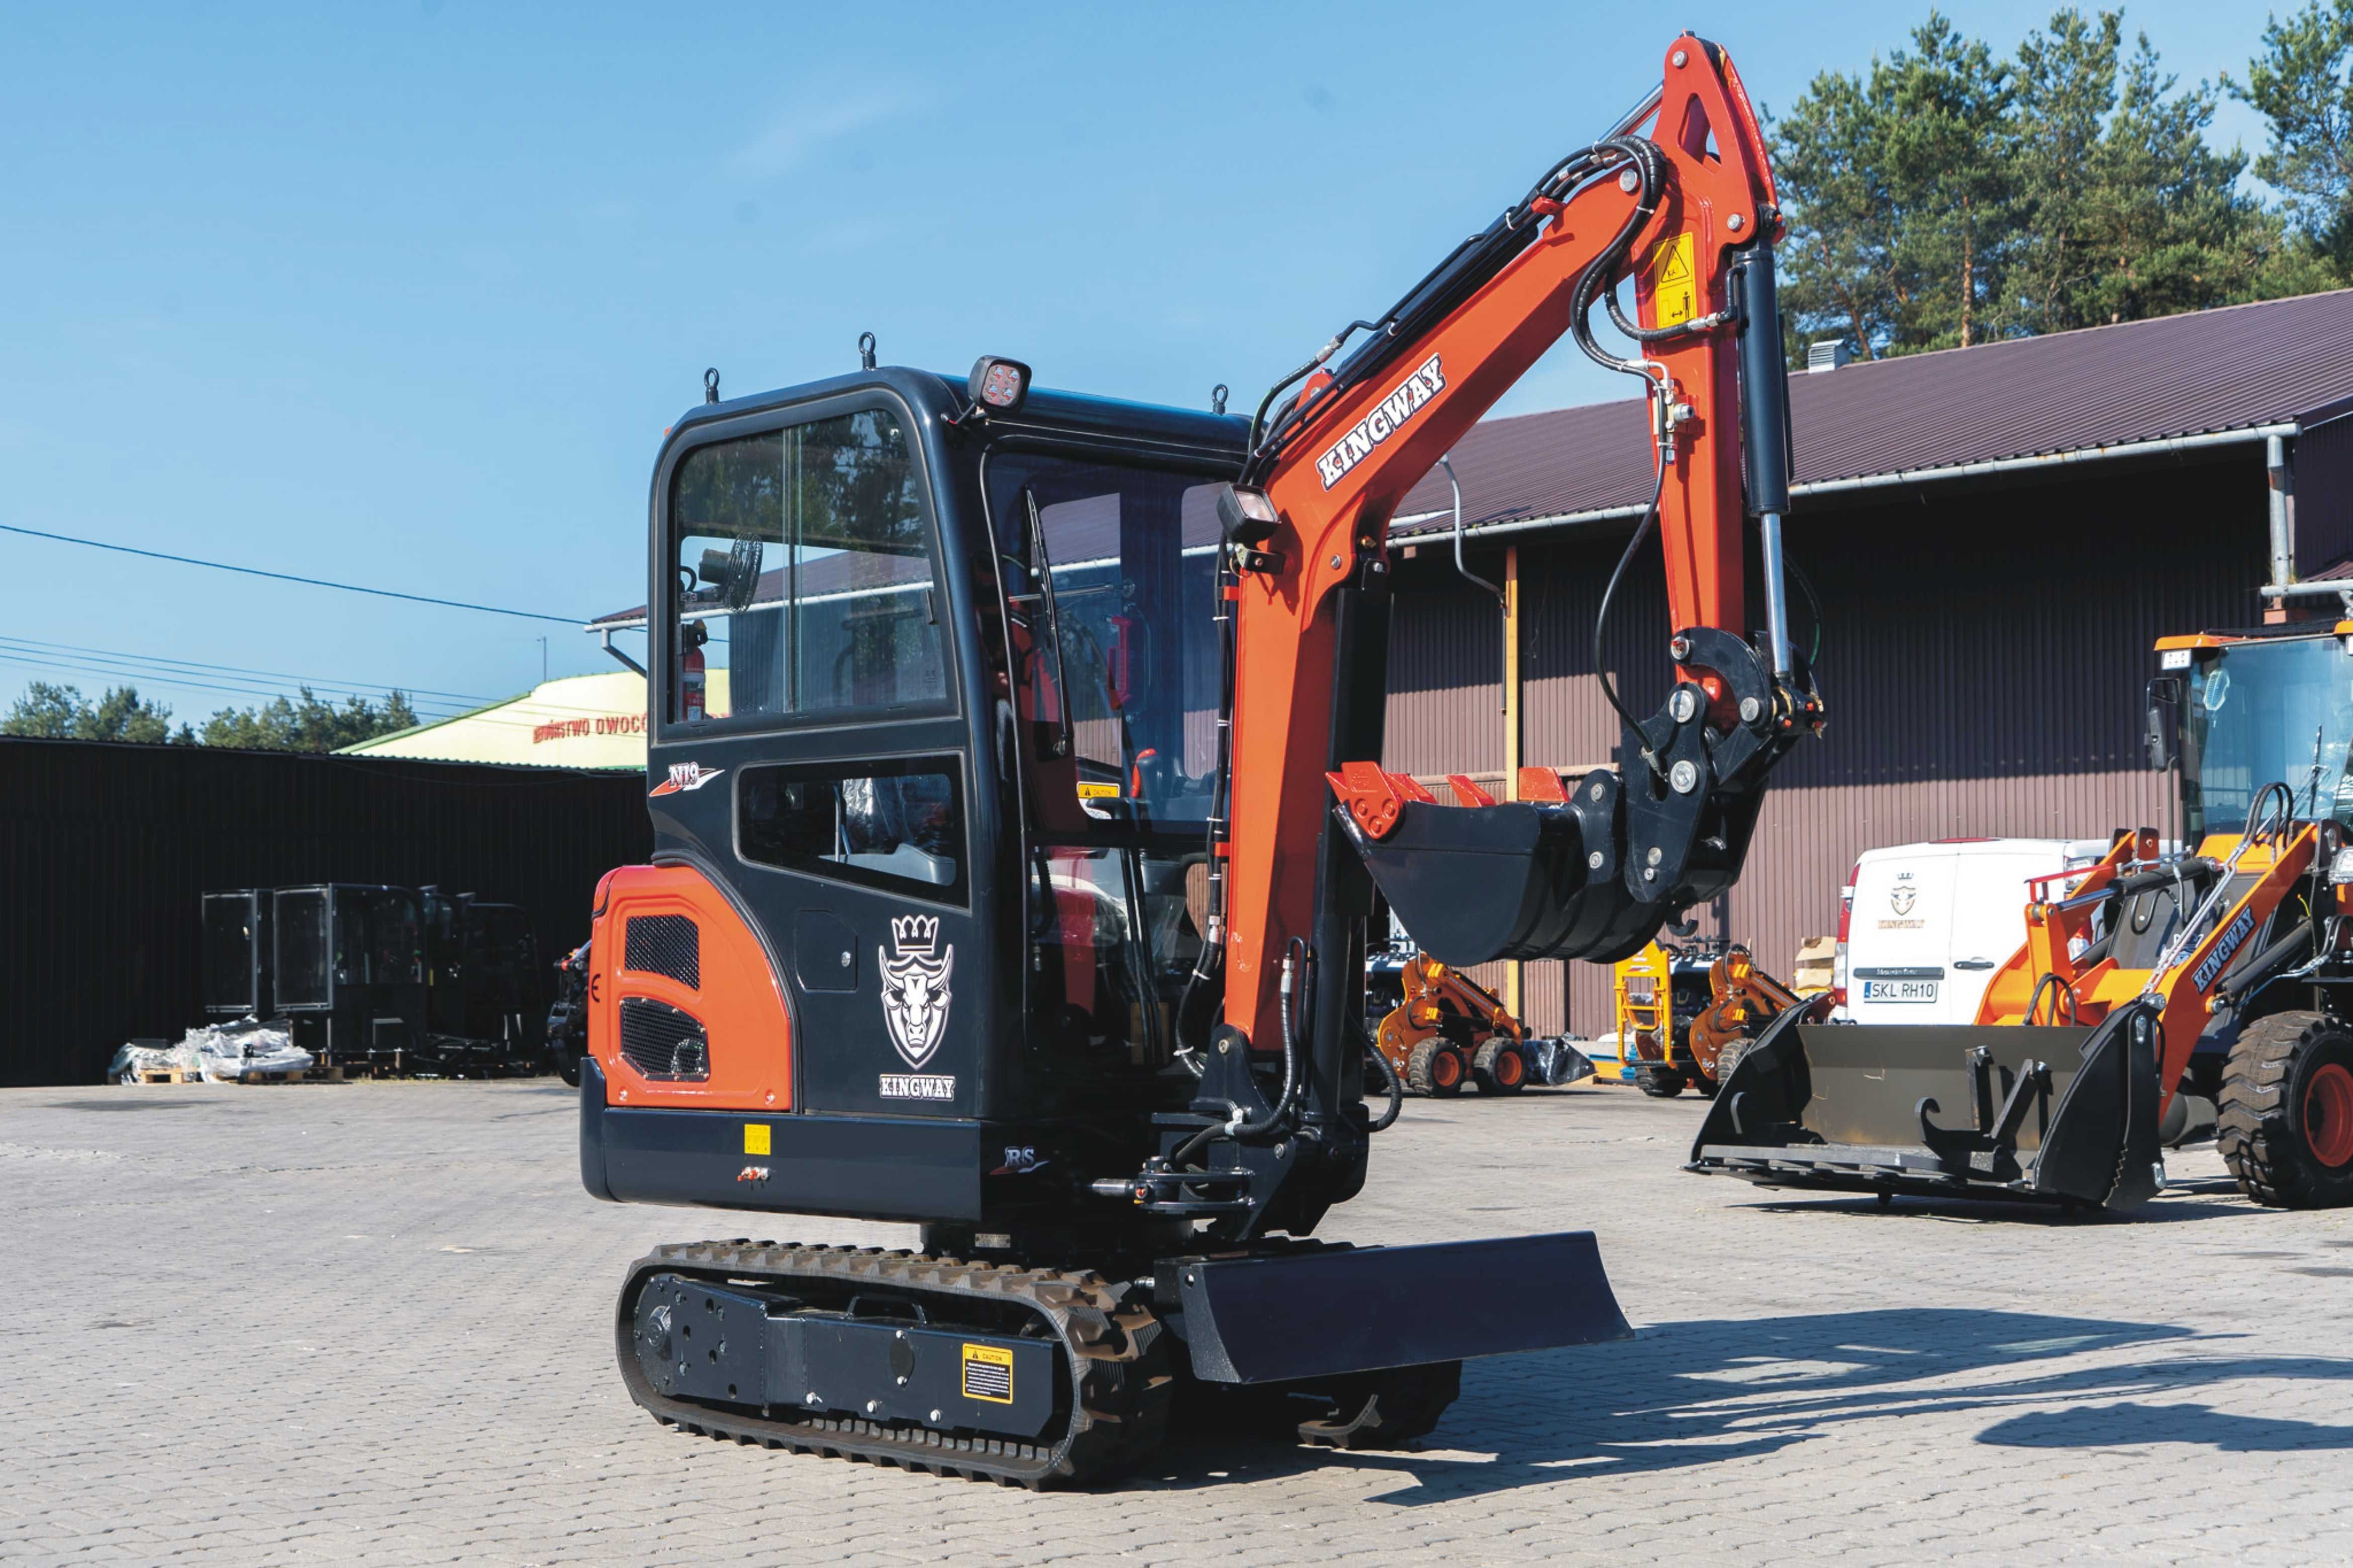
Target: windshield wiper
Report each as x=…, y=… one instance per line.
x=1043, y=569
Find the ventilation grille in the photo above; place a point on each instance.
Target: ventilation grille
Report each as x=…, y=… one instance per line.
x=663, y=1043
x=666, y=945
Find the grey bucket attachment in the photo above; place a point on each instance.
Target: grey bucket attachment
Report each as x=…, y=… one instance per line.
x=2055, y=1115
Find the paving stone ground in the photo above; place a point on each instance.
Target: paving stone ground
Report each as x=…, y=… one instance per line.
x=369, y=1322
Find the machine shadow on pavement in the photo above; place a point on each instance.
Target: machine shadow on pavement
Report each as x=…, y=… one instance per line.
x=2181, y=1201
x=1712, y=1390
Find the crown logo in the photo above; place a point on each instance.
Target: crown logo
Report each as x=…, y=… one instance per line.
x=915, y=986
x=912, y=934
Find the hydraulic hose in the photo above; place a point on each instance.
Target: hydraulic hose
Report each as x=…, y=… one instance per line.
x=1610, y=592
x=1208, y=964
x=2271, y=813
x=1298, y=958
x=2060, y=992
x=2261, y=969
x=1396, y=1090
x=1469, y=267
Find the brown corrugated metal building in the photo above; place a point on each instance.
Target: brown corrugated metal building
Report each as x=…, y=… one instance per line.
x=1996, y=534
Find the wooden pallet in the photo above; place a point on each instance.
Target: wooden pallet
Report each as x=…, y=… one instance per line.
x=170, y=1075
x=294, y=1075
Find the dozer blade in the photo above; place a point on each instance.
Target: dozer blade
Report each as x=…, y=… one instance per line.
x=2060, y=1115
x=1328, y=1310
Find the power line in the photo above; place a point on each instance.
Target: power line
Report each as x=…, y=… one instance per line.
x=108, y=664
x=69, y=667
x=164, y=660
x=290, y=577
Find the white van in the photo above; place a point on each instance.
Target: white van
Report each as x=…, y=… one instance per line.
x=1922, y=927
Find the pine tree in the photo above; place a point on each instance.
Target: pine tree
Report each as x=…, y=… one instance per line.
x=63, y=713
x=1946, y=197
x=2300, y=83
x=309, y=725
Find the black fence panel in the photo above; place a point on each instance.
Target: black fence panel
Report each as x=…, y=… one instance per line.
x=109, y=850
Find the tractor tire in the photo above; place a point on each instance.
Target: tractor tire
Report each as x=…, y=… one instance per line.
x=1435, y=1071
x=2287, y=1122
x=1500, y=1068
x=1729, y=1059
x=1659, y=1083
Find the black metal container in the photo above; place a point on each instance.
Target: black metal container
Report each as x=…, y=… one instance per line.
x=238, y=954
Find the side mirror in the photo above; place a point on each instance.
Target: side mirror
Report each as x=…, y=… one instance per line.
x=2164, y=704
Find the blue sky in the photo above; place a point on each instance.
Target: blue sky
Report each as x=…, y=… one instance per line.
x=404, y=294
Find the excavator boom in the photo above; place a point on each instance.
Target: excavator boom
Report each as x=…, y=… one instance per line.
x=1689, y=211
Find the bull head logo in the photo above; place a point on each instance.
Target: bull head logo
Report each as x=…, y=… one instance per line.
x=915, y=994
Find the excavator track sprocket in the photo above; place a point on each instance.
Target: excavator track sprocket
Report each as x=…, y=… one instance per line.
x=1118, y=1367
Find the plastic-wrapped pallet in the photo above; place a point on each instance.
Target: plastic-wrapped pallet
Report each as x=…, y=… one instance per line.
x=219, y=1053
x=142, y=1056
x=228, y=1052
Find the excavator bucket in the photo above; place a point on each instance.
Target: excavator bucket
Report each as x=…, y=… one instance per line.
x=1521, y=880
x=2059, y=1115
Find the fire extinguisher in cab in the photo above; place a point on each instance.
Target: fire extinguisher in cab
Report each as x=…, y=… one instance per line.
x=689, y=667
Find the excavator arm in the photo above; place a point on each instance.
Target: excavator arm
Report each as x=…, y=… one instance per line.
x=1572, y=869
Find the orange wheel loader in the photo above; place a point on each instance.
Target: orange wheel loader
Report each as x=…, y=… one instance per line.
x=2164, y=991
x=953, y=681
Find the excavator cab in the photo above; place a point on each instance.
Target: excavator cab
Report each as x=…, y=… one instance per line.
x=2176, y=987
x=932, y=691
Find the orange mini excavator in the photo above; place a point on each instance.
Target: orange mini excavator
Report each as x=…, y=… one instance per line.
x=1017, y=840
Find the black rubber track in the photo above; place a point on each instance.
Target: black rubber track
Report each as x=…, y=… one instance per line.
x=1118, y=1367
x=2260, y=1127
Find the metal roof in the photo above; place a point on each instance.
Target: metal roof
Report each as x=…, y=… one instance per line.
x=2241, y=368
x=2065, y=396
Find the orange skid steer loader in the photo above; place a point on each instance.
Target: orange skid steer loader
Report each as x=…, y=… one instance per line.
x=1448, y=1032
x=2155, y=992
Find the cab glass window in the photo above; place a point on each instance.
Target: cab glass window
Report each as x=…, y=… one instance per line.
x=802, y=579
x=882, y=823
x=1111, y=572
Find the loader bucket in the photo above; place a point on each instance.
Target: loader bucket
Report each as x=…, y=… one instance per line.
x=2059, y=1115
x=1327, y=1311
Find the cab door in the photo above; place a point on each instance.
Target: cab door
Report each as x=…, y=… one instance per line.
x=811, y=754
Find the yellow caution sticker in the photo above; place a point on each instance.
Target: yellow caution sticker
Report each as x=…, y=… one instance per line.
x=988, y=1373
x=1673, y=297
x=755, y=1137
x=1099, y=792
